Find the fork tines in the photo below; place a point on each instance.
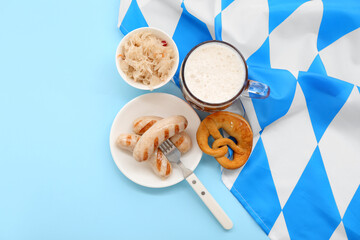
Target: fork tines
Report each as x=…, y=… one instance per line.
x=166, y=146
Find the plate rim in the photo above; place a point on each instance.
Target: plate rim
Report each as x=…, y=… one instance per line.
x=112, y=126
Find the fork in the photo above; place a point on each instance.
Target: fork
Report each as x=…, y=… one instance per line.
x=173, y=155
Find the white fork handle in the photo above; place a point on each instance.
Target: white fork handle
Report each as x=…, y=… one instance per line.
x=209, y=201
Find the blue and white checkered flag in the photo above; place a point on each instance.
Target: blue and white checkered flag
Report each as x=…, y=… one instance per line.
x=302, y=179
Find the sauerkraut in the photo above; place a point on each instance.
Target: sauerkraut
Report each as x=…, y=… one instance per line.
x=146, y=58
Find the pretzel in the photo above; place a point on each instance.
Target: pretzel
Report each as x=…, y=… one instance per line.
x=237, y=127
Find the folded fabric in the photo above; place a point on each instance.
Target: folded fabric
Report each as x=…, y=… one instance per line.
x=302, y=179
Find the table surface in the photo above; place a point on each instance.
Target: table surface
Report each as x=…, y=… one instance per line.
x=59, y=93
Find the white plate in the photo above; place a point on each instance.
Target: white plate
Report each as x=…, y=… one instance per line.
x=158, y=104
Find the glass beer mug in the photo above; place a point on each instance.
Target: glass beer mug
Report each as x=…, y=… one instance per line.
x=214, y=74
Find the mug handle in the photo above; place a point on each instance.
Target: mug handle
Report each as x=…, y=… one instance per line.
x=256, y=89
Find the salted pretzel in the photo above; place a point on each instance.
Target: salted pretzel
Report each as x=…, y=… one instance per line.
x=237, y=127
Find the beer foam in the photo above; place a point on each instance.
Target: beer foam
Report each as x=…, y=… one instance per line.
x=214, y=72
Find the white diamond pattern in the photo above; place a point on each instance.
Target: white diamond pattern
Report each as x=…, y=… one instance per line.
x=170, y=14
x=246, y=25
x=124, y=6
x=293, y=44
x=279, y=231
x=340, y=150
x=289, y=143
x=346, y=64
x=206, y=11
x=339, y=233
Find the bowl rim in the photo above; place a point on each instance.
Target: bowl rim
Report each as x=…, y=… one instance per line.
x=137, y=84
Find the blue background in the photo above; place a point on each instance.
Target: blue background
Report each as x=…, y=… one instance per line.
x=59, y=93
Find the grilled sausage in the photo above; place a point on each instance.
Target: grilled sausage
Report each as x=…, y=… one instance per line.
x=156, y=135
x=181, y=140
x=127, y=141
x=142, y=124
x=158, y=162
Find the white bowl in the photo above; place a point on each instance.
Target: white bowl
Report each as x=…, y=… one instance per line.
x=159, y=33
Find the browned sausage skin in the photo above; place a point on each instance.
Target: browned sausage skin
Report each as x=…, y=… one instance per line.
x=142, y=124
x=158, y=162
x=127, y=141
x=157, y=134
x=181, y=140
